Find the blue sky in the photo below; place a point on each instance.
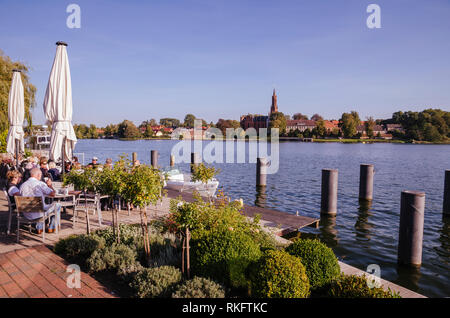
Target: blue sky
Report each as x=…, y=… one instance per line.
x=216, y=59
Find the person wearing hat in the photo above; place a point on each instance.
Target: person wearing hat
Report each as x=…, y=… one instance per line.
x=94, y=164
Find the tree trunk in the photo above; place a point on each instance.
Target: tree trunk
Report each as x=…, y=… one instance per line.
x=182, y=254
x=118, y=226
x=113, y=219
x=188, y=265
x=144, y=225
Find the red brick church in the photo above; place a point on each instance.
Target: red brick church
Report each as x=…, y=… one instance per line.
x=259, y=121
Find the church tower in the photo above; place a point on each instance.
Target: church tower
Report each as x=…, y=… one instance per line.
x=274, y=107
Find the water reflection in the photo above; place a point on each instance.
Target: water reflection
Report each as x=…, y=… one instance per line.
x=362, y=226
x=328, y=231
x=408, y=277
x=261, y=196
x=444, y=237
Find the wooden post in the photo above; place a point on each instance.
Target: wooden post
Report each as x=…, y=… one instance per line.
x=134, y=157
x=172, y=160
x=446, y=209
x=328, y=203
x=410, y=240
x=261, y=171
x=154, y=158
x=195, y=160
x=366, y=182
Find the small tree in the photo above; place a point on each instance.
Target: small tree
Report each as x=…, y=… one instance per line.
x=110, y=182
x=86, y=181
x=141, y=187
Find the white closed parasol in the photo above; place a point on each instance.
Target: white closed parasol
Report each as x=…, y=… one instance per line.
x=16, y=110
x=58, y=107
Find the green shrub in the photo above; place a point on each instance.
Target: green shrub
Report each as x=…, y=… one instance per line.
x=117, y=257
x=130, y=234
x=164, y=247
x=352, y=286
x=78, y=248
x=156, y=282
x=278, y=275
x=319, y=260
x=224, y=256
x=199, y=287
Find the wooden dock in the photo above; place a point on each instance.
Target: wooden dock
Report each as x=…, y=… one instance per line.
x=282, y=222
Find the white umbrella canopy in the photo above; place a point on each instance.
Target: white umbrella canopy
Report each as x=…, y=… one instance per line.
x=16, y=111
x=58, y=106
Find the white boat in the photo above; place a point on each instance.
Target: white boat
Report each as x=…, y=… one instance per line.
x=181, y=182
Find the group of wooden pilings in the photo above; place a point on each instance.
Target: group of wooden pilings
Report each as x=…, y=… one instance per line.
x=153, y=158
x=412, y=207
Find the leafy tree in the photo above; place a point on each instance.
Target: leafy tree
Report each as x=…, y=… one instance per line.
x=278, y=120
x=92, y=132
x=223, y=124
x=127, y=129
x=370, y=124
x=349, y=123
x=170, y=122
x=316, y=117
x=111, y=130
x=189, y=120
x=320, y=128
x=6, y=72
x=148, y=131
x=428, y=125
x=298, y=116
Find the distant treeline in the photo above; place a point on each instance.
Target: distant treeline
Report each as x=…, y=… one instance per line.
x=431, y=125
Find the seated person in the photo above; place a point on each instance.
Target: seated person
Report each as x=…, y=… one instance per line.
x=67, y=167
x=44, y=169
x=94, y=164
x=56, y=175
x=14, y=177
x=33, y=187
x=26, y=173
x=108, y=163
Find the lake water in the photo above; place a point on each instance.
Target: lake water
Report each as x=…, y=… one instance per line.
x=359, y=235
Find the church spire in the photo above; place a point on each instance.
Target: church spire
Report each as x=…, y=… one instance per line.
x=274, y=107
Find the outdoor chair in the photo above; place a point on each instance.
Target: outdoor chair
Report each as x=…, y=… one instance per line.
x=26, y=205
x=69, y=201
x=85, y=203
x=11, y=210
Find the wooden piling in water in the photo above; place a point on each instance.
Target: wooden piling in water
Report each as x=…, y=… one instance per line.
x=261, y=171
x=154, y=158
x=328, y=202
x=172, y=160
x=446, y=207
x=410, y=240
x=366, y=182
x=134, y=157
x=195, y=160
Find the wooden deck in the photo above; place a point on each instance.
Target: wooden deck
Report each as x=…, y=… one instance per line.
x=282, y=222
